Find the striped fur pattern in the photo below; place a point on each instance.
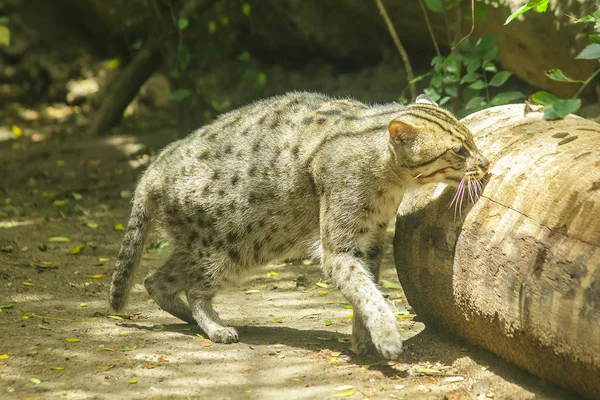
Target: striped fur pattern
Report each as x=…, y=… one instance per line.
x=281, y=178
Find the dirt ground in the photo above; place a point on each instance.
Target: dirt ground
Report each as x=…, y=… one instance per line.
x=59, y=339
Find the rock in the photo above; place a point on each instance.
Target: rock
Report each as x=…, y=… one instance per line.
x=519, y=272
x=156, y=91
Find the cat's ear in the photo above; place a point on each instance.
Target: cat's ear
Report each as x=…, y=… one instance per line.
x=424, y=99
x=401, y=132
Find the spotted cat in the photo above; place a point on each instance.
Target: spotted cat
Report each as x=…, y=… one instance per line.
x=283, y=177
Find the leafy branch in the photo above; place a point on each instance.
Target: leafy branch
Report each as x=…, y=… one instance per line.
x=553, y=106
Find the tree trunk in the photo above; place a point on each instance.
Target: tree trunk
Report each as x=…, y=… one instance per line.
x=519, y=272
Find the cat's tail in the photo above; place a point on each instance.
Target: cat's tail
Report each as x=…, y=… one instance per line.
x=131, y=250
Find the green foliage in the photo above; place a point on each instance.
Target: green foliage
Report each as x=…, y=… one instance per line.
x=539, y=6
x=4, y=30
x=554, y=106
x=558, y=75
x=435, y=5
x=465, y=76
x=462, y=79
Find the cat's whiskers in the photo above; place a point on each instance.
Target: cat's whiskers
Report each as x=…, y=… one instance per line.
x=458, y=198
x=416, y=177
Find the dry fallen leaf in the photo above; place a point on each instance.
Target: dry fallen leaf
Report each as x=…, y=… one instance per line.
x=344, y=394
x=77, y=249
x=345, y=387
x=454, y=379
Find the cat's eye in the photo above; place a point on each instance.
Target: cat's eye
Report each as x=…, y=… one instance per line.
x=463, y=152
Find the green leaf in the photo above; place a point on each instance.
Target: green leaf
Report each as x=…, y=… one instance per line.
x=6, y=306
x=558, y=75
x=555, y=107
x=444, y=100
x=435, y=5
x=389, y=284
x=261, y=79
x=542, y=7
x=77, y=196
x=435, y=96
x=505, y=98
x=500, y=78
x=491, y=54
x=486, y=42
x=322, y=285
x=59, y=239
x=92, y=224
x=591, y=52
x=587, y=18
x=544, y=98
x=180, y=94
x=328, y=322
x=489, y=66
x=475, y=102
x=451, y=91
x=244, y=56
x=437, y=60
x=595, y=38
x=436, y=81
x=4, y=36
x=477, y=85
x=60, y=203
x=473, y=66
x=470, y=77
x=247, y=9
x=539, y=5
x=35, y=380
x=182, y=23
x=119, y=227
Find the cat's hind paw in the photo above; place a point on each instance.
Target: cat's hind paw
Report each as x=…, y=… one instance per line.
x=224, y=335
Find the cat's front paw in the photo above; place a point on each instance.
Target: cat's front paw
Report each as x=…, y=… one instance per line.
x=224, y=335
x=388, y=345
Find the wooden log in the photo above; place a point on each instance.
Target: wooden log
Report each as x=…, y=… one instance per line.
x=519, y=271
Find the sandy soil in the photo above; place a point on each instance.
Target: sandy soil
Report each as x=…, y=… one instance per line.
x=60, y=340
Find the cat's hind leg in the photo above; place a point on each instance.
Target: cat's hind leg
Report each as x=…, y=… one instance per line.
x=200, y=291
x=166, y=284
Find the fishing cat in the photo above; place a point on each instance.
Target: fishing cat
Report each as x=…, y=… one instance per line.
x=281, y=178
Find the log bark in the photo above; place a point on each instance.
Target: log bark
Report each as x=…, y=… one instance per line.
x=519, y=272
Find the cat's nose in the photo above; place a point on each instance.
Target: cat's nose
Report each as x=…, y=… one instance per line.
x=484, y=164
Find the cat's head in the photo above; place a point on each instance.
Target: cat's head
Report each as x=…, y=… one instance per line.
x=435, y=145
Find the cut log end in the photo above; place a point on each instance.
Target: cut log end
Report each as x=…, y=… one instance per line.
x=520, y=275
